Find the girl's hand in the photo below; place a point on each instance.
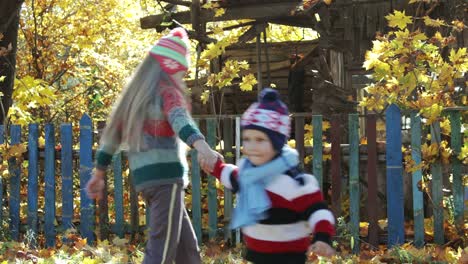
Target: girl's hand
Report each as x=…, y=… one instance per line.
x=206, y=156
x=322, y=249
x=95, y=185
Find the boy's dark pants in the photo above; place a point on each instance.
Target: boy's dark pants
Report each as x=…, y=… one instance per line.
x=171, y=237
x=281, y=258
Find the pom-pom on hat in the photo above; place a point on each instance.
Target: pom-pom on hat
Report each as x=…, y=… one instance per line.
x=172, y=52
x=269, y=115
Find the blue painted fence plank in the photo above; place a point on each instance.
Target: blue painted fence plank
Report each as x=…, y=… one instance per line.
x=66, y=140
x=49, y=210
x=395, y=197
x=317, y=160
x=212, y=192
x=15, y=182
x=418, y=204
x=86, y=166
x=118, y=195
x=354, y=192
x=437, y=185
x=33, y=170
x=458, y=186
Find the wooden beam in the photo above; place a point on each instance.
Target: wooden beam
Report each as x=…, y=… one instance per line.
x=261, y=12
x=178, y=2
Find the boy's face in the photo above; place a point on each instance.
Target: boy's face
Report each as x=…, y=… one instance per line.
x=257, y=146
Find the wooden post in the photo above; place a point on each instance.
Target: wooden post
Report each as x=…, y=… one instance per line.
x=354, y=192
x=118, y=195
x=267, y=58
x=2, y=141
x=299, y=132
x=418, y=204
x=336, y=164
x=395, y=212
x=259, y=63
x=372, y=186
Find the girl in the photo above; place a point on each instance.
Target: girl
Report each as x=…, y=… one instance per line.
x=277, y=206
x=149, y=120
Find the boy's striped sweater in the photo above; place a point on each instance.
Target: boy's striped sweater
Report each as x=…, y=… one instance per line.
x=297, y=210
x=160, y=160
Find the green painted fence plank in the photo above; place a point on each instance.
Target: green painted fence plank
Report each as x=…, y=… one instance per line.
x=418, y=204
x=437, y=185
x=229, y=158
x=196, y=194
x=212, y=192
x=458, y=186
x=317, y=161
x=354, y=192
x=238, y=157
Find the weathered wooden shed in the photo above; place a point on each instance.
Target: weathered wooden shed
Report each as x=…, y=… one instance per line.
x=322, y=76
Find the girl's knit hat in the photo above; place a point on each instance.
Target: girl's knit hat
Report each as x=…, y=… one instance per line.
x=172, y=52
x=269, y=115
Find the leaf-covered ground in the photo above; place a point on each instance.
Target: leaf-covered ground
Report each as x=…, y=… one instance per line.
x=117, y=250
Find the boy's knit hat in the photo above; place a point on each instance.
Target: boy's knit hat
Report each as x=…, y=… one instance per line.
x=172, y=52
x=269, y=115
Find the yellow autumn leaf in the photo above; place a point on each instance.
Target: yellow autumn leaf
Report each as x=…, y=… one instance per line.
x=205, y=96
x=398, y=19
x=463, y=156
x=445, y=127
x=248, y=81
x=325, y=125
x=433, y=22
x=219, y=12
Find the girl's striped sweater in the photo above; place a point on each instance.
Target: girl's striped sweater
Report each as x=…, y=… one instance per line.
x=297, y=210
x=160, y=160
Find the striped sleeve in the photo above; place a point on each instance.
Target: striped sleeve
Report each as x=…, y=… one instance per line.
x=106, y=150
x=321, y=220
x=227, y=175
x=175, y=110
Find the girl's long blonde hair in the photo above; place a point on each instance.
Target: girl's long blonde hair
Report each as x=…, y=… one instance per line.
x=125, y=124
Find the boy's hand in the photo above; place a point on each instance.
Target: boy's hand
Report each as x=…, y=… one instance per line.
x=322, y=249
x=95, y=185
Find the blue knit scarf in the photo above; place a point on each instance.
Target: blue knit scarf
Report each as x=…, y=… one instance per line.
x=252, y=198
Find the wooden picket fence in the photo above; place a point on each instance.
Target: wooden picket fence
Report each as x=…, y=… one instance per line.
x=231, y=139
